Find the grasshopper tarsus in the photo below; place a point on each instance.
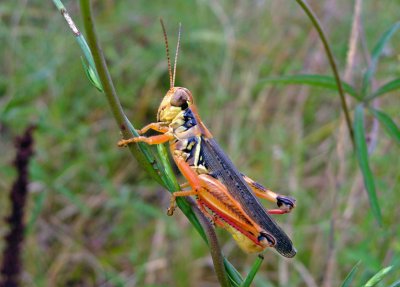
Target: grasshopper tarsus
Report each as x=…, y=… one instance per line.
x=172, y=206
x=125, y=143
x=170, y=211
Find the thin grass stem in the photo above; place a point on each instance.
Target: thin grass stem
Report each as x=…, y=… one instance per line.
x=213, y=244
x=310, y=13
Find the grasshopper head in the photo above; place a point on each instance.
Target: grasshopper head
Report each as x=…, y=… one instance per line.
x=176, y=100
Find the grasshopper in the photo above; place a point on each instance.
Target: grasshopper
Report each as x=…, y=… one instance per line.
x=227, y=197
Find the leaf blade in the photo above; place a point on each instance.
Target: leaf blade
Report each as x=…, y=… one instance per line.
x=378, y=276
x=389, y=125
x=311, y=80
x=386, y=88
x=376, y=54
x=362, y=158
x=349, y=278
x=253, y=271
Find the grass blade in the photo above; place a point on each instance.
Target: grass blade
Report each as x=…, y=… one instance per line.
x=389, y=125
x=378, y=276
x=253, y=271
x=362, y=157
x=349, y=278
x=311, y=80
x=386, y=88
x=395, y=284
x=376, y=53
x=234, y=276
x=92, y=76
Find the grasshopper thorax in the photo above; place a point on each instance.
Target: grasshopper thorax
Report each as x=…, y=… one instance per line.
x=175, y=101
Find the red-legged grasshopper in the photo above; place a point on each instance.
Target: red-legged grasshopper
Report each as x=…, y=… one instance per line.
x=224, y=195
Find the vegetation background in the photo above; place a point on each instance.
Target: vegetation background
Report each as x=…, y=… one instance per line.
x=94, y=218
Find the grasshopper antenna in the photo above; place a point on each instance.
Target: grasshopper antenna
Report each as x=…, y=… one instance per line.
x=176, y=53
x=171, y=81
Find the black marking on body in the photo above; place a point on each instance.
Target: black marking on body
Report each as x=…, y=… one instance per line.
x=191, y=146
x=190, y=120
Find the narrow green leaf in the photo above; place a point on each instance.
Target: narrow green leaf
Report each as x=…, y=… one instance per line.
x=389, y=125
x=253, y=271
x=362, y=157
x=376, y=53
x=378, y=276
x=234, y=276
x=310, y=80
x=349, y=278
x=92, y=76
x=167, y=172
x=386, y=88
x=395, y=284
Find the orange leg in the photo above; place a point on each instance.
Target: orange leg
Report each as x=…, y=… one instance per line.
x=191, y=176
x=193, y=181
x=285, y=203
x=184, y=185
x=172, y=202
x=158, y=139
x=159, y=127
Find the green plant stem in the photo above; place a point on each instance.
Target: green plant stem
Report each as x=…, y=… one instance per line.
x=213, y=244
x=101, y=67
x=310, y=13
x=140, y=151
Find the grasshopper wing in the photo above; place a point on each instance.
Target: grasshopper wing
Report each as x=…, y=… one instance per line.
x=222, y=168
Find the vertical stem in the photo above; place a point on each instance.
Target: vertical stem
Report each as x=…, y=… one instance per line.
x=215, y=250
x=307, y=9
x=96, y=58
x=101, y=68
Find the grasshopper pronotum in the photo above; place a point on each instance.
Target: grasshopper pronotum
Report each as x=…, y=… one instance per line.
x=224, y=195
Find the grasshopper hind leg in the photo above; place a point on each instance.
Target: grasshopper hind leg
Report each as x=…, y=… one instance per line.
x=285, y=203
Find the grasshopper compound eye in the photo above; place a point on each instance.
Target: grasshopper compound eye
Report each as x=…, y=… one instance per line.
x=266, y=239
x=181, y=98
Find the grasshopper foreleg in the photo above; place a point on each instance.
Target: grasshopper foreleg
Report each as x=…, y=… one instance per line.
x=285, y=203
x=158, y=127
x=157, y=139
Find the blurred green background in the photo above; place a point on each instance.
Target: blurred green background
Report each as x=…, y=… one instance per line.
x=95, y=218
